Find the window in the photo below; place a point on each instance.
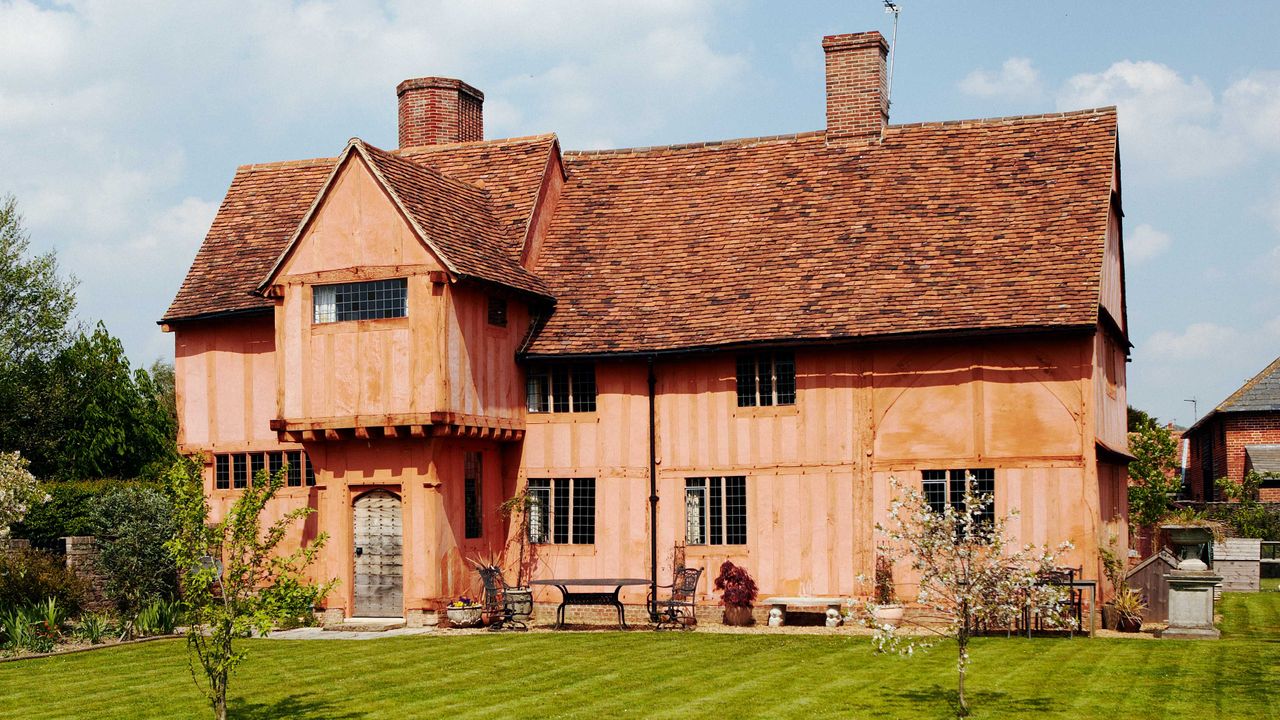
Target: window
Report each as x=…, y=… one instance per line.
x=766, y=379
x=561, y=388
x=715, y=511
x=294, y=476
x=562, y=510
x=471, y=494
x=222, y=472
x=497, y=311
x=943, y=487
x=237, y=470
x=360, y=301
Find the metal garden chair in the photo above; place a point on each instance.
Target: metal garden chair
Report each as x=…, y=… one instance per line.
x=679, y=610
x=497, y=609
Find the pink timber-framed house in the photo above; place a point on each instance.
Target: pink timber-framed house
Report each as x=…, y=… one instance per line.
x=729, y=344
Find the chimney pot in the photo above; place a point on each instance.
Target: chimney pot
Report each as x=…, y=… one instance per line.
x=857, y=87
x=437, y=110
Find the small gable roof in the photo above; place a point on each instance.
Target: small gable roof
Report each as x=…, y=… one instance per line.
x=267, y=203
x=944, y=227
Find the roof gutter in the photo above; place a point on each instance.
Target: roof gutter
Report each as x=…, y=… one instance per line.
x=832, y=342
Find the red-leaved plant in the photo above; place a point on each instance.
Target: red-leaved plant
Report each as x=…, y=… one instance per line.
x=736, y=586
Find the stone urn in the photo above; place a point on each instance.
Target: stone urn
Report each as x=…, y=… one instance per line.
x=1190, y=585
x=463, y=615
x=889, y=614
x=1188, y=539
x=520, y=600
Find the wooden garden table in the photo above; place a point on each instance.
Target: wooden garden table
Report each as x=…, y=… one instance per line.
x=592, y=597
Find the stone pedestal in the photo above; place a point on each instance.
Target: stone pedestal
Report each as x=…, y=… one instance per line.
x=1191, y=605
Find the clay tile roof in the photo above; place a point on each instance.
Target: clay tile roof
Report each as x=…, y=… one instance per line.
x=261, y=210
x=458, y=220
x=265, y=204
x=944, y=227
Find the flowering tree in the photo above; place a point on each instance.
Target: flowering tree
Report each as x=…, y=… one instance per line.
x=971, y=578
x=18, y=490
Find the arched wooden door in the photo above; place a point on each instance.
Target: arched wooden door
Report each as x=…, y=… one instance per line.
x=379, y=581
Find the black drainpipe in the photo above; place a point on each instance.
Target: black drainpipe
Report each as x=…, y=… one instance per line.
x=653, y=498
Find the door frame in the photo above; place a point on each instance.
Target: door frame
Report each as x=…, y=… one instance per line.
x=356, y=492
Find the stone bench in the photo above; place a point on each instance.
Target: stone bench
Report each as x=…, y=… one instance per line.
x=779, y=606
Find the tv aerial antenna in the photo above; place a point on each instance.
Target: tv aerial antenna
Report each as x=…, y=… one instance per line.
x=892, y=7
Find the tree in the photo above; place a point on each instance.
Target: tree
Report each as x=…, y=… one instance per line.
x=18, y=490
x=1153, y=474
x=1139, y=418
x=132, y=524
x=35, y=302
x=970, y=576
x=234, y=581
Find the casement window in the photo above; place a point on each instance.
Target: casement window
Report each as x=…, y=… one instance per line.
x=715, y=511
x=946, y=487
x=767, y=378
x=239, y=472
x=471, y=476
x=234, y=471
x=561, y=388
x=371, y=300
x=497, y=311
x=562, y=510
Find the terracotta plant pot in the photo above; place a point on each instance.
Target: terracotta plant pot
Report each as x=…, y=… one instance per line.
x=738, y=616
x=889, y=614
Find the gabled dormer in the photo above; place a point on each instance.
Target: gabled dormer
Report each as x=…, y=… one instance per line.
x=400, y=302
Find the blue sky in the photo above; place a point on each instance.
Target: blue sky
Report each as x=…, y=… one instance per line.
x=121, y=124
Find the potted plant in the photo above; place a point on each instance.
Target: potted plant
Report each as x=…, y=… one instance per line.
x=463, y=612
x=1127, y=608
x=737, y=593
x=887, y=610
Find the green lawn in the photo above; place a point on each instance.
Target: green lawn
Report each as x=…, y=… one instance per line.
x=642, y=674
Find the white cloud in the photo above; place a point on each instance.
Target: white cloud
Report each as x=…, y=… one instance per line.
x=129, y=117
x=1145, y=243
x=1017, y=79
x=1197, y=340
x=1251, y=107
x=1174, y=126
x=1168, y=123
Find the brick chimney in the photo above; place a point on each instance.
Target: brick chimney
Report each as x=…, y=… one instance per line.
x=436, y=110
x=857, y=87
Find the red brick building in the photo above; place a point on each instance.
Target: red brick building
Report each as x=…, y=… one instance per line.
x=1241, y=434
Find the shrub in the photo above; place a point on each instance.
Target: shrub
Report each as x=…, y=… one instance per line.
x=53, y=615
x=71, y=508
x=94, y=627
x=159, y=617
x=737, y=587
x=16, y=627
x=132, y=525
x=29, y=577
x=25, y=629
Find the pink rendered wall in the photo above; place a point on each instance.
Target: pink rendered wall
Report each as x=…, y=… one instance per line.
x=818, y=471
x=367, y=367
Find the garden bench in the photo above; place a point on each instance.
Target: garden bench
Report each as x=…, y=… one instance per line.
x=779, y=605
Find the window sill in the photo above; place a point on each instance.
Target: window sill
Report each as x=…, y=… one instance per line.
x=532, y=418
x=767, y=411
x=339, y=327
